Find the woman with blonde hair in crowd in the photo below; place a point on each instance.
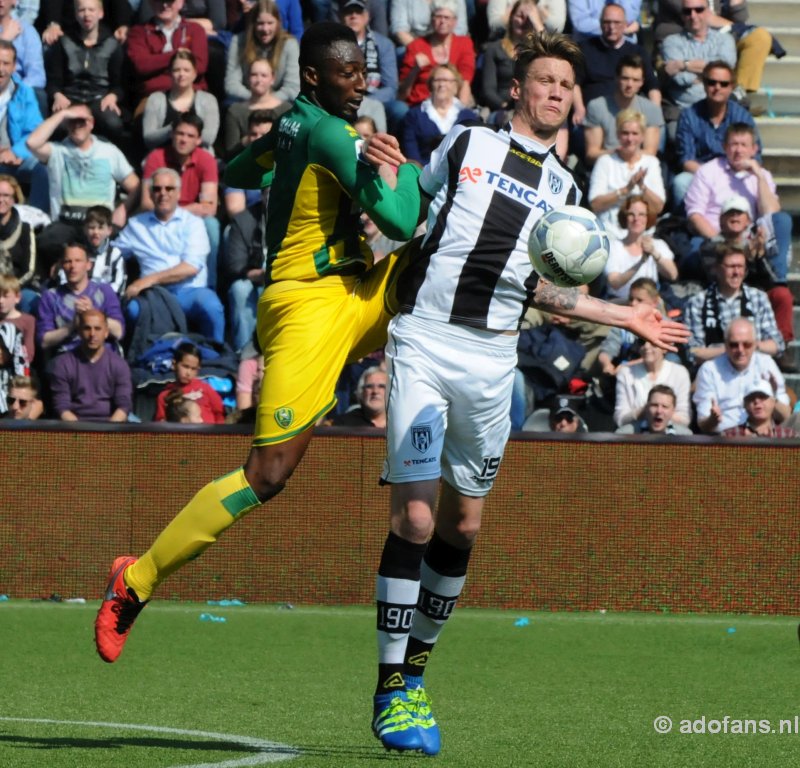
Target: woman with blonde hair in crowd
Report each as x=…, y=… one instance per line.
x=552, y=14
x=263, y=37
x=425, y=125
x=625, y=172
x=162, y=108
x=260, y=79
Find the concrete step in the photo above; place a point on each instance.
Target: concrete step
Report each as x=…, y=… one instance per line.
x=774, y=13
x=782, y=162
x=789, y=193
x=781, y=73
x=780, y=132
x=789, y=37
x=777, y=101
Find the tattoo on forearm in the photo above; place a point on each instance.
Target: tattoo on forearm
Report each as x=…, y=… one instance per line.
x=553, y=298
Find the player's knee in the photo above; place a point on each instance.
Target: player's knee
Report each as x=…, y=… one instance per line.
x=267, y=478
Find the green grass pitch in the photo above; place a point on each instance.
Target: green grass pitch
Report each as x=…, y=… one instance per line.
x=295, y=685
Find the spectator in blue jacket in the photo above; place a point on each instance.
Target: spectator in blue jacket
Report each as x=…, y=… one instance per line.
x=19, y=115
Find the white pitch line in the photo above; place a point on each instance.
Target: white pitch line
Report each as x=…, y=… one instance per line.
x=276, y=752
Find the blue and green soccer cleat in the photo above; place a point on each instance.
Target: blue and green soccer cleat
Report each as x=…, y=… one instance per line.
x=393, y=724
x=419, y=705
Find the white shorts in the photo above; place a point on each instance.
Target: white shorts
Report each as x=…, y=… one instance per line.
x=449, y=402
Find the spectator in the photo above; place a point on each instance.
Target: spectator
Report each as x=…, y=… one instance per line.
x=83, y=171
x=179, y=409
x=426, y=124
x=685, y=55
x=248, y=378
x=163, y=108
x=199, y=180
x=411, y=19
x=19, y=116
x=738, y=173
x=17, y=243
x=22, y=399
x=702, y=126
x=381, y=60
x=758, y=243
x=85, y=67
x=564, y=418
x=262, y=100
x=291, y=15
x=107, y=264
x=26, y=41
x=625, y=172
x=440, y=46
x=498, y=59
x=371, y=395
x=586, y=17
x=709, y=313
x=12, y=360
x=10, y=296
x=55, y=18
x=635, y=380
x=27, y=10
x=638, y=254
x=263, y=37
x=657, y=415
x=171, y=247
x=721, y=382
x=553, y=14
x=60, y=308
x=151, y=45
x=600, y=124
x=759, y=405
x=91, y=382
x=259, y=122
x=186, y=363
x=603, y=54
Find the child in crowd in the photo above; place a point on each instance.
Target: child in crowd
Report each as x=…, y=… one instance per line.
x=12, y=360
x=181, y=410
x=10, y=296
x=108, y=266
x=186, y=362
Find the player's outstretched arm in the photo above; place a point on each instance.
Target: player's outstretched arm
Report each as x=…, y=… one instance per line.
x=642, y=320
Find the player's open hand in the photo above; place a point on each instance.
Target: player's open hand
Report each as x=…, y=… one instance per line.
x=382, y=149
x=649, y=323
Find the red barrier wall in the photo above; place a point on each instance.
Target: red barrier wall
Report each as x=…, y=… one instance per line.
x=698, y=526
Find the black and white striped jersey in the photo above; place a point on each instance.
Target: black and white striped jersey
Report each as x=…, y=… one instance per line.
x=489, y=187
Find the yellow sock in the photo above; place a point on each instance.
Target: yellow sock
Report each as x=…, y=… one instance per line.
x=196, y=527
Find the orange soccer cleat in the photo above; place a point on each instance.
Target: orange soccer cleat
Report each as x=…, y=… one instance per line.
x=118, y=611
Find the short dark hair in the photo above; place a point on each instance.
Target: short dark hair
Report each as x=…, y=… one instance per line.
x=539, y=45
x=98, y=214
x=81, y=244
x=6, y=45
x=186, y=348
x=318, y=38
x=189, y=118
x=719, y=64
x=261, y=116
x=662, y=389
x=632, y=61
x=736, y=129
x=723, y=250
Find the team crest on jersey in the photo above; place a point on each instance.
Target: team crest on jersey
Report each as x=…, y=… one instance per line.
x=555, y=182
x=284, y=417
x=421, y=437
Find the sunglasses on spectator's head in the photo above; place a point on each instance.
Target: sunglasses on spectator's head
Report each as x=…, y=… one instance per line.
x=698, y=9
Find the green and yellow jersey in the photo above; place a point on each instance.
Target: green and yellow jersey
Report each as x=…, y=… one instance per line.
x=318, y=191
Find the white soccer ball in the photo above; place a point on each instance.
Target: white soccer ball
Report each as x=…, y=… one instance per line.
x=568, y=246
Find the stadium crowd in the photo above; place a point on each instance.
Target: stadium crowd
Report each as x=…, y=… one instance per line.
x=130, y=274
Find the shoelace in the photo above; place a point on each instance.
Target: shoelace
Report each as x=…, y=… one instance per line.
x=126, y=612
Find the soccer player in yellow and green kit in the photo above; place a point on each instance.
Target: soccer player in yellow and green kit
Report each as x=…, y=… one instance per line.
x=323, y=305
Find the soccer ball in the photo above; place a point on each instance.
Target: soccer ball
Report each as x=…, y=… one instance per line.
x=568, y=247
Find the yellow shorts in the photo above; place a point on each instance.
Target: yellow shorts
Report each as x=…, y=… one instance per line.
x=308, y=331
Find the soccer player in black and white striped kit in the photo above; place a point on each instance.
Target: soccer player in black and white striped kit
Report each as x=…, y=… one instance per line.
x=451, y=358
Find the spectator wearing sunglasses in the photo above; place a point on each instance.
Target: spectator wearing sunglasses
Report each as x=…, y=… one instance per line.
x=22, y=399
x=722, y=382
x=685, y=55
